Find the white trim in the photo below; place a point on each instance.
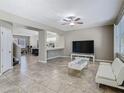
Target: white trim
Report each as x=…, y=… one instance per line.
x=6, y=70
x=56, y=57
x=65, y=56
x=53, y=57
x=42, y=61
x=11, y=67
x=100, y=60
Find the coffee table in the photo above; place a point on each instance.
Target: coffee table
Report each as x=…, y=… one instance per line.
x=78, y=64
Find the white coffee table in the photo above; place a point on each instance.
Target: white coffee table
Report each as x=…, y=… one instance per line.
x=78, y=64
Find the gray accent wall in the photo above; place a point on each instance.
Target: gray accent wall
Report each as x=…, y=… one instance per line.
x=103, y=41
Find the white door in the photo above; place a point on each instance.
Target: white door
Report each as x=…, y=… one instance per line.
x=6, y=46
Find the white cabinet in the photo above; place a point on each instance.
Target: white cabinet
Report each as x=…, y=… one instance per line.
x=5, y=48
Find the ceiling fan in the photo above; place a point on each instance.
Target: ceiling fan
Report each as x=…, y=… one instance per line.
x=71, y=20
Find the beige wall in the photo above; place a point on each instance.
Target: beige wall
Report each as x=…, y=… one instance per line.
x=34, y=41
x=103, y=40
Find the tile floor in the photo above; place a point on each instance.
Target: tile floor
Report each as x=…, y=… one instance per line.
x=34, y=77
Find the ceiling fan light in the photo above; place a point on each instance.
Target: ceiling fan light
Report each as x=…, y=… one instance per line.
x=72, y=24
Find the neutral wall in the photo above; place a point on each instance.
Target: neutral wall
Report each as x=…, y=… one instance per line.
x=60, y=41
x=103, y=41
x=34, y=41
x=17, y=30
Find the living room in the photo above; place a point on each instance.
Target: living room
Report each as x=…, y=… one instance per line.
x=79, y=44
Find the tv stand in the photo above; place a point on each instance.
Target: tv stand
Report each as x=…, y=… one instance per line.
x=73, y=55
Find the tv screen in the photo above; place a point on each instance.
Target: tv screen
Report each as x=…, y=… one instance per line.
x=83, y=46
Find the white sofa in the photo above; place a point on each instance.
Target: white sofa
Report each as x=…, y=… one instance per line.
x=111, y=74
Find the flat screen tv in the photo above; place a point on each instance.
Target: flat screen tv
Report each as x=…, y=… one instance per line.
x=83, y=47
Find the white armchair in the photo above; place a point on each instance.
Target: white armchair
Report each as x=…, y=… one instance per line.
x=111, y=74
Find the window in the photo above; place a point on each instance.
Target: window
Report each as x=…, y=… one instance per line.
x=120, y=37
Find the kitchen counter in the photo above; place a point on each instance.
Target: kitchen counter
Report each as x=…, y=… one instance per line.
x=56, y=48
x=54, y=52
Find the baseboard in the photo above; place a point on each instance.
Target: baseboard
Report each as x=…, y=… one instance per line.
x=64, y=56
x=100, y=60
x=11, y=67
x=53, y=57
x=42, y=61
x=56, y=57
x=6, y=70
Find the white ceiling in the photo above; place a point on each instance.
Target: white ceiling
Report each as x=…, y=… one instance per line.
x=50, y=12
x=24, y=32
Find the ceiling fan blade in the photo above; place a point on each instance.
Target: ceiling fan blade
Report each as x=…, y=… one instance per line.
x=64, y=23
x=79, y=22
x=77, y=19
x=71, y=17
x=65, y=20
